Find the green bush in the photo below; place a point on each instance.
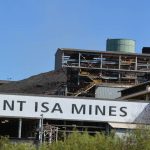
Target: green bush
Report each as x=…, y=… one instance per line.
x=135, y=140
x=5, y=144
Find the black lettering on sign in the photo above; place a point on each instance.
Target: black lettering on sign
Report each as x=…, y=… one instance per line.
x=45, y=107
x=78, y=111
x=99, y=109
x=90, y=109
x=6, y=105
x=21, y=104
x=57, y=108
x=112, y=110
x=36, y=106
x=122, y=109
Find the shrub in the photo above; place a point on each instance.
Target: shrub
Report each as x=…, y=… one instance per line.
x=136, y=140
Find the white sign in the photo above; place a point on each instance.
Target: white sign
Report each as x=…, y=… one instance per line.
x=20, y=106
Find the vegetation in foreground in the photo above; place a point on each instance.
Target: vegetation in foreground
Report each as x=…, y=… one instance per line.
x=139, y=140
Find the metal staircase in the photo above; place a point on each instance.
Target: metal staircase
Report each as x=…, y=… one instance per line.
x=95, y=80
x=85, y=89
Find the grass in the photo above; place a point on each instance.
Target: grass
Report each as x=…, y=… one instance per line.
x=138, y=140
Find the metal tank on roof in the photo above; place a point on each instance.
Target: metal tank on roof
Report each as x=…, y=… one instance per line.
x=120, y=45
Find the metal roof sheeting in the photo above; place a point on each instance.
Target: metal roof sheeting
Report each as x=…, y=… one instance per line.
x=108, y=92
x=104, y=52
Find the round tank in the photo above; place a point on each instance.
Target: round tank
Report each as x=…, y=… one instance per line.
x=120, y=45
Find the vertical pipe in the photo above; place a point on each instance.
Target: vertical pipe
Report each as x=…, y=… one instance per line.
x=19, y=128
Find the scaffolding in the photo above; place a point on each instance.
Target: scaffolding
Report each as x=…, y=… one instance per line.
x=50, y=133
x=86, y=69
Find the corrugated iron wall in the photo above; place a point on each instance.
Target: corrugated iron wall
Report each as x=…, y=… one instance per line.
x=108, y=92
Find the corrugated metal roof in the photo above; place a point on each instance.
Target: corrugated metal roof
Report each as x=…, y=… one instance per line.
x=104, y=52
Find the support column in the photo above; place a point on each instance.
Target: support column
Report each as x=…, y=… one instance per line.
x=147, y=97
x=101, y=61
x=41, y=129
x=136, y=63
x=62, y=63
x=119, y=62
x=78, y=77
x=79, y=68
x=147, y=89
x=107, y=129
x=20, y=128
x=66, y=90
x=119, y=76
x=64, y=130
x=79, y=59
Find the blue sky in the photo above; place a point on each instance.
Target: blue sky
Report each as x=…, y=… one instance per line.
x=32, y=30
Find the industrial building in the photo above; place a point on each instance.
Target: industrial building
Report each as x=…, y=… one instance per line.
x=89, y=83
x=118, y=65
